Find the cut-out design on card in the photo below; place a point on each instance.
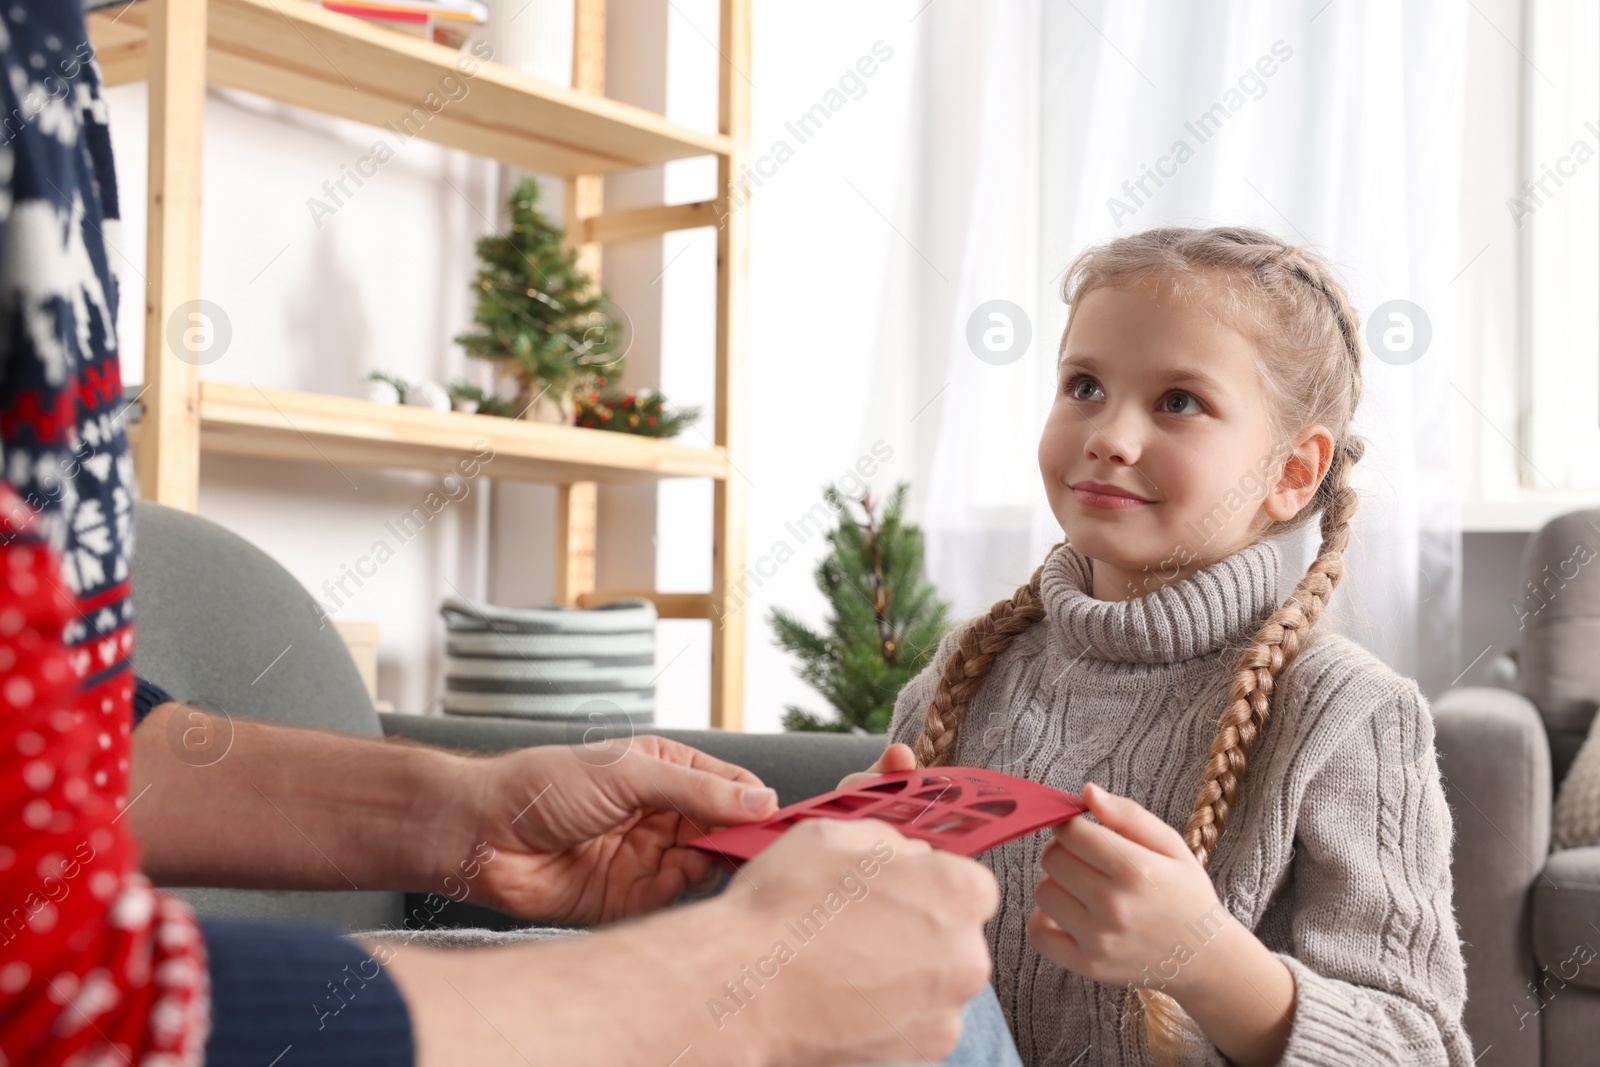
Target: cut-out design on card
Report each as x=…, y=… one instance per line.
x=955, y=824
x=996, y=807
x=901, y=811
x=848, y=802
x=969, y=814
x=788, y=821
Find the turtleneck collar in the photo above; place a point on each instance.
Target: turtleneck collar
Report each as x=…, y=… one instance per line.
x=1214, y=606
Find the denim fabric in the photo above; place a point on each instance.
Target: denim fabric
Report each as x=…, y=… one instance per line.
x=277, y=986
x=985, y=1037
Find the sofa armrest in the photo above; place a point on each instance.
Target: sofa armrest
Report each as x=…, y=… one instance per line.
x=1495, y=758
x=798, y=765
x=1566, y=902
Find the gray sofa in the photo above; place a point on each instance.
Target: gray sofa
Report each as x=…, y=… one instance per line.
x=1530, y=918
x=221, y=625
x=214, y=612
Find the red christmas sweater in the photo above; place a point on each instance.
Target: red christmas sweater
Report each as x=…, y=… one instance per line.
x=95, y=967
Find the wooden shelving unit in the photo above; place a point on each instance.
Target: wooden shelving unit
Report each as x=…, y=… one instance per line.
x=297, y=53
x=241, y=420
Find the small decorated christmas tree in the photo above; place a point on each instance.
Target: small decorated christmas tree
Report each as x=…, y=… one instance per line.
x=538, y=311
x=884, y=623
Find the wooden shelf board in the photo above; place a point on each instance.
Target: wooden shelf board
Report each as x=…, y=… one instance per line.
x=296, y=52
x=668, y=605
x=617, y=226
x=243, y=420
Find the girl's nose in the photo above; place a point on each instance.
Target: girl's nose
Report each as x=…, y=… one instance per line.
x=1112, y=437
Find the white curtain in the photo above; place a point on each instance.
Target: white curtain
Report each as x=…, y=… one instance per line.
x=981, y=484
x=1337, y=125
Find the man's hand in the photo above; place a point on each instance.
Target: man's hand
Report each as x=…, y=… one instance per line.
x=897, y=757
x=882, y=938
x=577, y=842
x=848, y=944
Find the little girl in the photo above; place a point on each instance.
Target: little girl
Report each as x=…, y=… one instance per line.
x=1207, y=380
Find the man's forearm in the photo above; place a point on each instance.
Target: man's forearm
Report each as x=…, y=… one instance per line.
x=276, y=807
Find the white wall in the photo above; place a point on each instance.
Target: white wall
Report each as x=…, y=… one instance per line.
x=835, y=362
x=381, y=283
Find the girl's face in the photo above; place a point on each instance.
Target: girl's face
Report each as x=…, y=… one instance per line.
x=1158, y=401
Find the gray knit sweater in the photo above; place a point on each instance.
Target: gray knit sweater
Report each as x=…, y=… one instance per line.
x=1337, y=854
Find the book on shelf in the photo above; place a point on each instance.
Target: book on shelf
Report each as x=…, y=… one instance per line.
x=446, y=22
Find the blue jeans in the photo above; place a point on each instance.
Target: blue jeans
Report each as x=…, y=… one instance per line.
x=985, y=1037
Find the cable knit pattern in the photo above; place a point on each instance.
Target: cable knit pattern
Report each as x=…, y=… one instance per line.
x=1337, y=854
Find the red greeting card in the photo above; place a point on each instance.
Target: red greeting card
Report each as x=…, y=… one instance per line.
x=960, y=809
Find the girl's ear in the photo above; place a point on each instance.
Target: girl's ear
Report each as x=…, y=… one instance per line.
x=1307, y=464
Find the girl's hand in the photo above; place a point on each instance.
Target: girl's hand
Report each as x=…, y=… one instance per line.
x=896, y=757
x=1125, y=900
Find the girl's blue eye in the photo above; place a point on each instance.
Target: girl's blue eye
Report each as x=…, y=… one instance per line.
x=1180, y=393
x=1072, y=384
x=1072, y=388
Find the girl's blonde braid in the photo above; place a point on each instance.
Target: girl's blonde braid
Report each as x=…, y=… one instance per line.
x=1169, y=1028
x=981, y=642
x=1275, y=646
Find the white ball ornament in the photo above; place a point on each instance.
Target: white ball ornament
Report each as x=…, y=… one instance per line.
x=1502, y=671
x=380, y=392
x=429, y=395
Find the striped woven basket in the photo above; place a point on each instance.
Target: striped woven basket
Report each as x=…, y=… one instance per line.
x=582, y=664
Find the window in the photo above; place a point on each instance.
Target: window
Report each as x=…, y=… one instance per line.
x=1557, y=212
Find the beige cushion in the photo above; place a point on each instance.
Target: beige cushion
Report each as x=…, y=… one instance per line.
x=1575, y=821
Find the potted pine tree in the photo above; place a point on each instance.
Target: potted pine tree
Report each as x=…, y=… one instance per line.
x=884, y=622
x=539, y=317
